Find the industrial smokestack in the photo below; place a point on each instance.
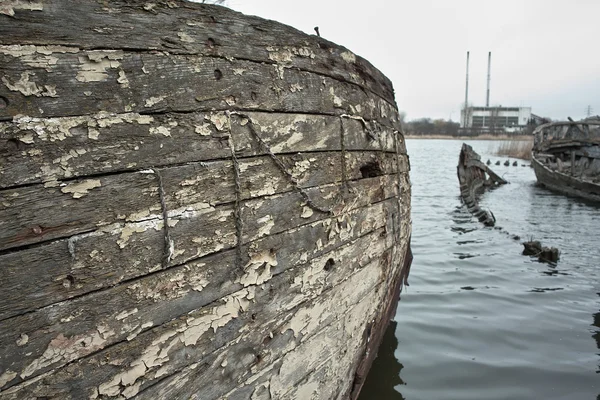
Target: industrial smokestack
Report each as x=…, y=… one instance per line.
x=467, y=85
x=466, y=122
x=487, y=97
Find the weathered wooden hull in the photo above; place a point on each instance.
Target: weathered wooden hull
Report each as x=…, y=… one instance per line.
x=193, y=204
x=472, y=179
x=563, y=183
x=566, y=157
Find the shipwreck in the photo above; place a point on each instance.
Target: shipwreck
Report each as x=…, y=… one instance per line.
x=473, y=177
x=566, y=157
x=194, y=203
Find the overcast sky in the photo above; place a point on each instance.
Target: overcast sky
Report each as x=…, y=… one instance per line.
x=544, y=52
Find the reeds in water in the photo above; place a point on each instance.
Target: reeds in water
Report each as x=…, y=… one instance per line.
x=515, y=149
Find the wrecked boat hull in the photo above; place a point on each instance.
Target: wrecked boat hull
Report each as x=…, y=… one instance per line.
x=563, y=183
x=473, y=177
x=566, y=158
x=210, y=206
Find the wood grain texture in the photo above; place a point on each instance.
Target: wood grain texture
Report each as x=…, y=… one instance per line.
x=179, y=27
x=193, y=203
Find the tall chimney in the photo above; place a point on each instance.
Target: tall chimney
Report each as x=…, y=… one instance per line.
x=466, y=124
x=487, y=97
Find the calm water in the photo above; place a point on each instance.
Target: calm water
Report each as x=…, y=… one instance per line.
x=479, y=320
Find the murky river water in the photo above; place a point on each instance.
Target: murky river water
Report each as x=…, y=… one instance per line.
x=480, y=320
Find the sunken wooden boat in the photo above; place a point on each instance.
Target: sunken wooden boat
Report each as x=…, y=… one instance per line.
x=566, y=157
x=194, y=203
x=473, y=177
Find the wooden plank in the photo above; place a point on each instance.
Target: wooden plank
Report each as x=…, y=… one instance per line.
x=34, y=148
x=157, y=298
x=363, y=135
x=269, y=215
x=190, y=341
x=112, y=253
x=200, y=29
x=100, y=144
x=89, y=82
x=141, y=288
x=37, y=213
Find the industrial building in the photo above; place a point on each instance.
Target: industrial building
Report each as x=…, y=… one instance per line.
x=495, y=119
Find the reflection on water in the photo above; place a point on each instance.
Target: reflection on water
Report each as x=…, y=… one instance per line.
x=384, y=376
x=481, y=321
x=596, y=335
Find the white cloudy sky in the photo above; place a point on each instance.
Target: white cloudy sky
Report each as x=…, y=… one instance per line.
x=544, y=52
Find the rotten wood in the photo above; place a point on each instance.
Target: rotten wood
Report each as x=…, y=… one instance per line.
x=191, y=196
x=566, y=157
x=184, y=28
x=473, y=177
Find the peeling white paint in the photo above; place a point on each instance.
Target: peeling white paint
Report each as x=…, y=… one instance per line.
x=160, y=130
x=27, y=138
x=138, y=227
x=203, y=130
x=18, y=50
x=154, y=100
x=93, y=133
x=337, y=101
x=253, y=162
x=22, y=341
x=8, y=7
x=65, y=349
x=258, y=270
x=294, y=87
x=348, y=57
x=94, y=64
x=307, y=212
x=220, y=120
x=184, y=37
x=80, y=189
x=124, y=314
x=265, y=223
x=156, y=355
x=285, y=54
x=122, y=79
x=6, y=377
x=230, y=100
x=279, y=55
x=29, y=88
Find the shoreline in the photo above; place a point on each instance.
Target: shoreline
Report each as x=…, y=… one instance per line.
x=479, y=137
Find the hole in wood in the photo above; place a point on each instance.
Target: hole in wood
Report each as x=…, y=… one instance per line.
x=14, y=144
x=3, y=102
x=253, y=96
x=371, y=170
x=210, y=42
x=218, y=74
x=329, y=265
x=68, y=281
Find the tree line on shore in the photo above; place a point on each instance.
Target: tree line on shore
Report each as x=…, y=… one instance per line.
x=428, y=126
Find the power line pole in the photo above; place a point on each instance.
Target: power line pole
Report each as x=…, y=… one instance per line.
x=588, y=111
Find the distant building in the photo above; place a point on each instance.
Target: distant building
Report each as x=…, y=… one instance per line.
x=495, y=119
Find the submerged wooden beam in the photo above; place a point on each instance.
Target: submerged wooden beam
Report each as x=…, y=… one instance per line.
x=472, y=179
x=193, y=203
